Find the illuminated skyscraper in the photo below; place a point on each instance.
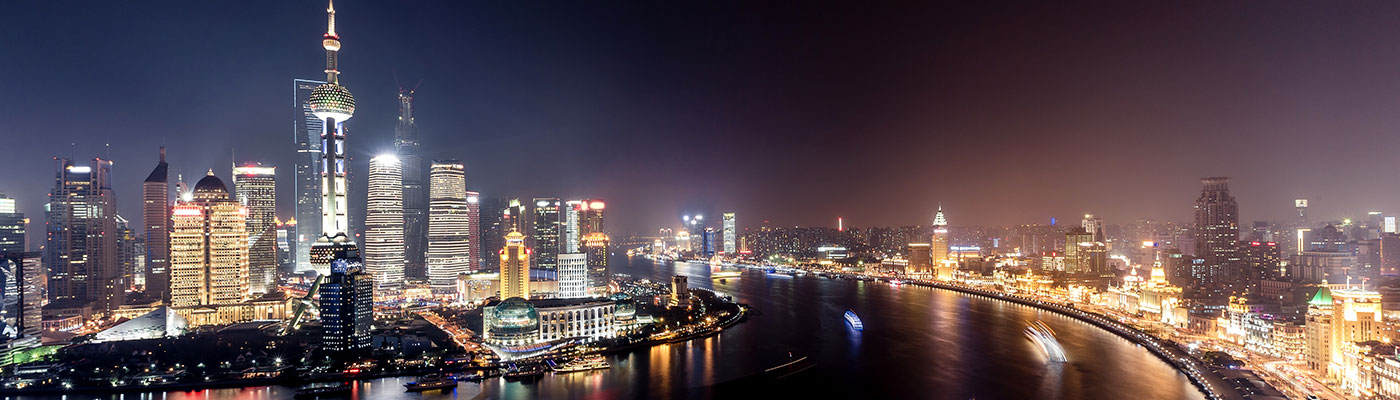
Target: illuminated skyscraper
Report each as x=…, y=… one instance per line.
x=730, y=234
x=569, y=237
x=938, y=246
x=591, y=218
x=474, y=240
x=81, y=252
x=515, y=267
x=449, y=225
x=1094, y=225
x=573, y=275
x=346, y=304
x=384, y=226
x=545, y=233
x=21, y=301
x=1301, y=205
x=12, y=226
x=334, y=105
x=155, y=213
x=492, y=232
x=209, y=247
x=1217, y=235
x=595, y=246
x=256, y=188
x=415, y=193
x=306, y=133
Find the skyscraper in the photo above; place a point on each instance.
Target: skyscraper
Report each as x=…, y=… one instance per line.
x=569, y=238
x=306, y=133
x=415, y=194
x=545, y=233
x=590, y=218
x=1094, y=225
x=20, y=297
x=515, y=267
x=208, y=247
x=127, y=259
x=730, y=235
x=1217, y=233
x=492, y=232
x=573, y=275
x=12, y=226
x=938, y=247
x=334, y=105
x=256, y=188
x=595, y=247
x=474, y=242
x=81, y=251
x=155, y=214
x=346, y=304
x=449, y=239
x=384, y=226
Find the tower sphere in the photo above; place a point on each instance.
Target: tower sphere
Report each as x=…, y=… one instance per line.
x=332, y=101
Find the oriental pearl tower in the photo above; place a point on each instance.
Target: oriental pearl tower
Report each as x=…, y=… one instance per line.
x=333, y=104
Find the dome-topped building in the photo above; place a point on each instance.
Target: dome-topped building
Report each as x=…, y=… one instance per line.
x=513, y=322
x=210, y=188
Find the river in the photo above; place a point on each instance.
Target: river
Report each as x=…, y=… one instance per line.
x=918, y=342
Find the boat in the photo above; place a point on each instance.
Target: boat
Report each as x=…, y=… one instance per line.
x=583, y=364
x=343, y=389
x=528, y=373
x=852, y=319
x=1044, y=338
x=431, y=382
x=896, y=282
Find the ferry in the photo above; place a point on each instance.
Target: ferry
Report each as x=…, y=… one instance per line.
x=431, y=382
x=583, y=364
x=342, y=389
x=896, y=282
x=528, y=373
x=852, y=319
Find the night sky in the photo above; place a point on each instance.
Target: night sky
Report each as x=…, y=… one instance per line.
x=793, y=112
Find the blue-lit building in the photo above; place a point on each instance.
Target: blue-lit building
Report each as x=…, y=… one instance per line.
x=347, y=305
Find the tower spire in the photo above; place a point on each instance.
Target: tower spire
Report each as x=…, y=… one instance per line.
x=330, y=18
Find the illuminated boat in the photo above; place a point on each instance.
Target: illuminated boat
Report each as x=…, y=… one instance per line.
x=896, y=282
x=852, y=319
x=583, y=364
x=431, y=382
x=339, y=390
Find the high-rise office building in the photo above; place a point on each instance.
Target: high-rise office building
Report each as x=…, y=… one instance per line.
x=570, y=239
x=127, y=259
x=492, y=230
x=256, y=188
x=12, y=226
x=1094, y=225
x=208, y=247
x=544, y=233
x=449, y=239
x=1301, y=205
x=515, y=267
x=595, y=247
x=938, y=246
x=81, y=251
x=474, y=242
x=334, y=105
x=1217, y=234
x=155, y=220
x=306, y=134
x=346, y=304
x=730, y=234
x=415, y=191
x=590, y=218
x=573, y=275
x=1083, y=254
x=21, y=299
x=384, y=226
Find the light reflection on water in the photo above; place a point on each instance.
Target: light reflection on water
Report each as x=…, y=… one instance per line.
x=917, y=343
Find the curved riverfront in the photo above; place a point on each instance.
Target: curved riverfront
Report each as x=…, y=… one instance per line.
x=918, y=342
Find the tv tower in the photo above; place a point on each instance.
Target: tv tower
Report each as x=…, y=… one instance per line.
x=333, y=104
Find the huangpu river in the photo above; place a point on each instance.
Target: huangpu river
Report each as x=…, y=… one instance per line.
x=918, y=343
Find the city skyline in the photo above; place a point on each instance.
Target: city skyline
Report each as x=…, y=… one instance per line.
x=1312, y=109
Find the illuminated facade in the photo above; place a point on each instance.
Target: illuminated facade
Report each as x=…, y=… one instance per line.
x=449, y=225
x=1217, y=233
x=209, y=248
x=1317, y=330
x=590, y=219
x=573, y=275
x=81, y=259
x=545, y=233
x=475, y=242
x=515, y=267
x=384, y=226
x=346, y=305
x=256, y=188
x=333, y=105
x=730, y=234
x=155, y=212
x=569, y=237
x=938, y=246
x=1356, y=317
x=307, y=136
x=595, y=247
